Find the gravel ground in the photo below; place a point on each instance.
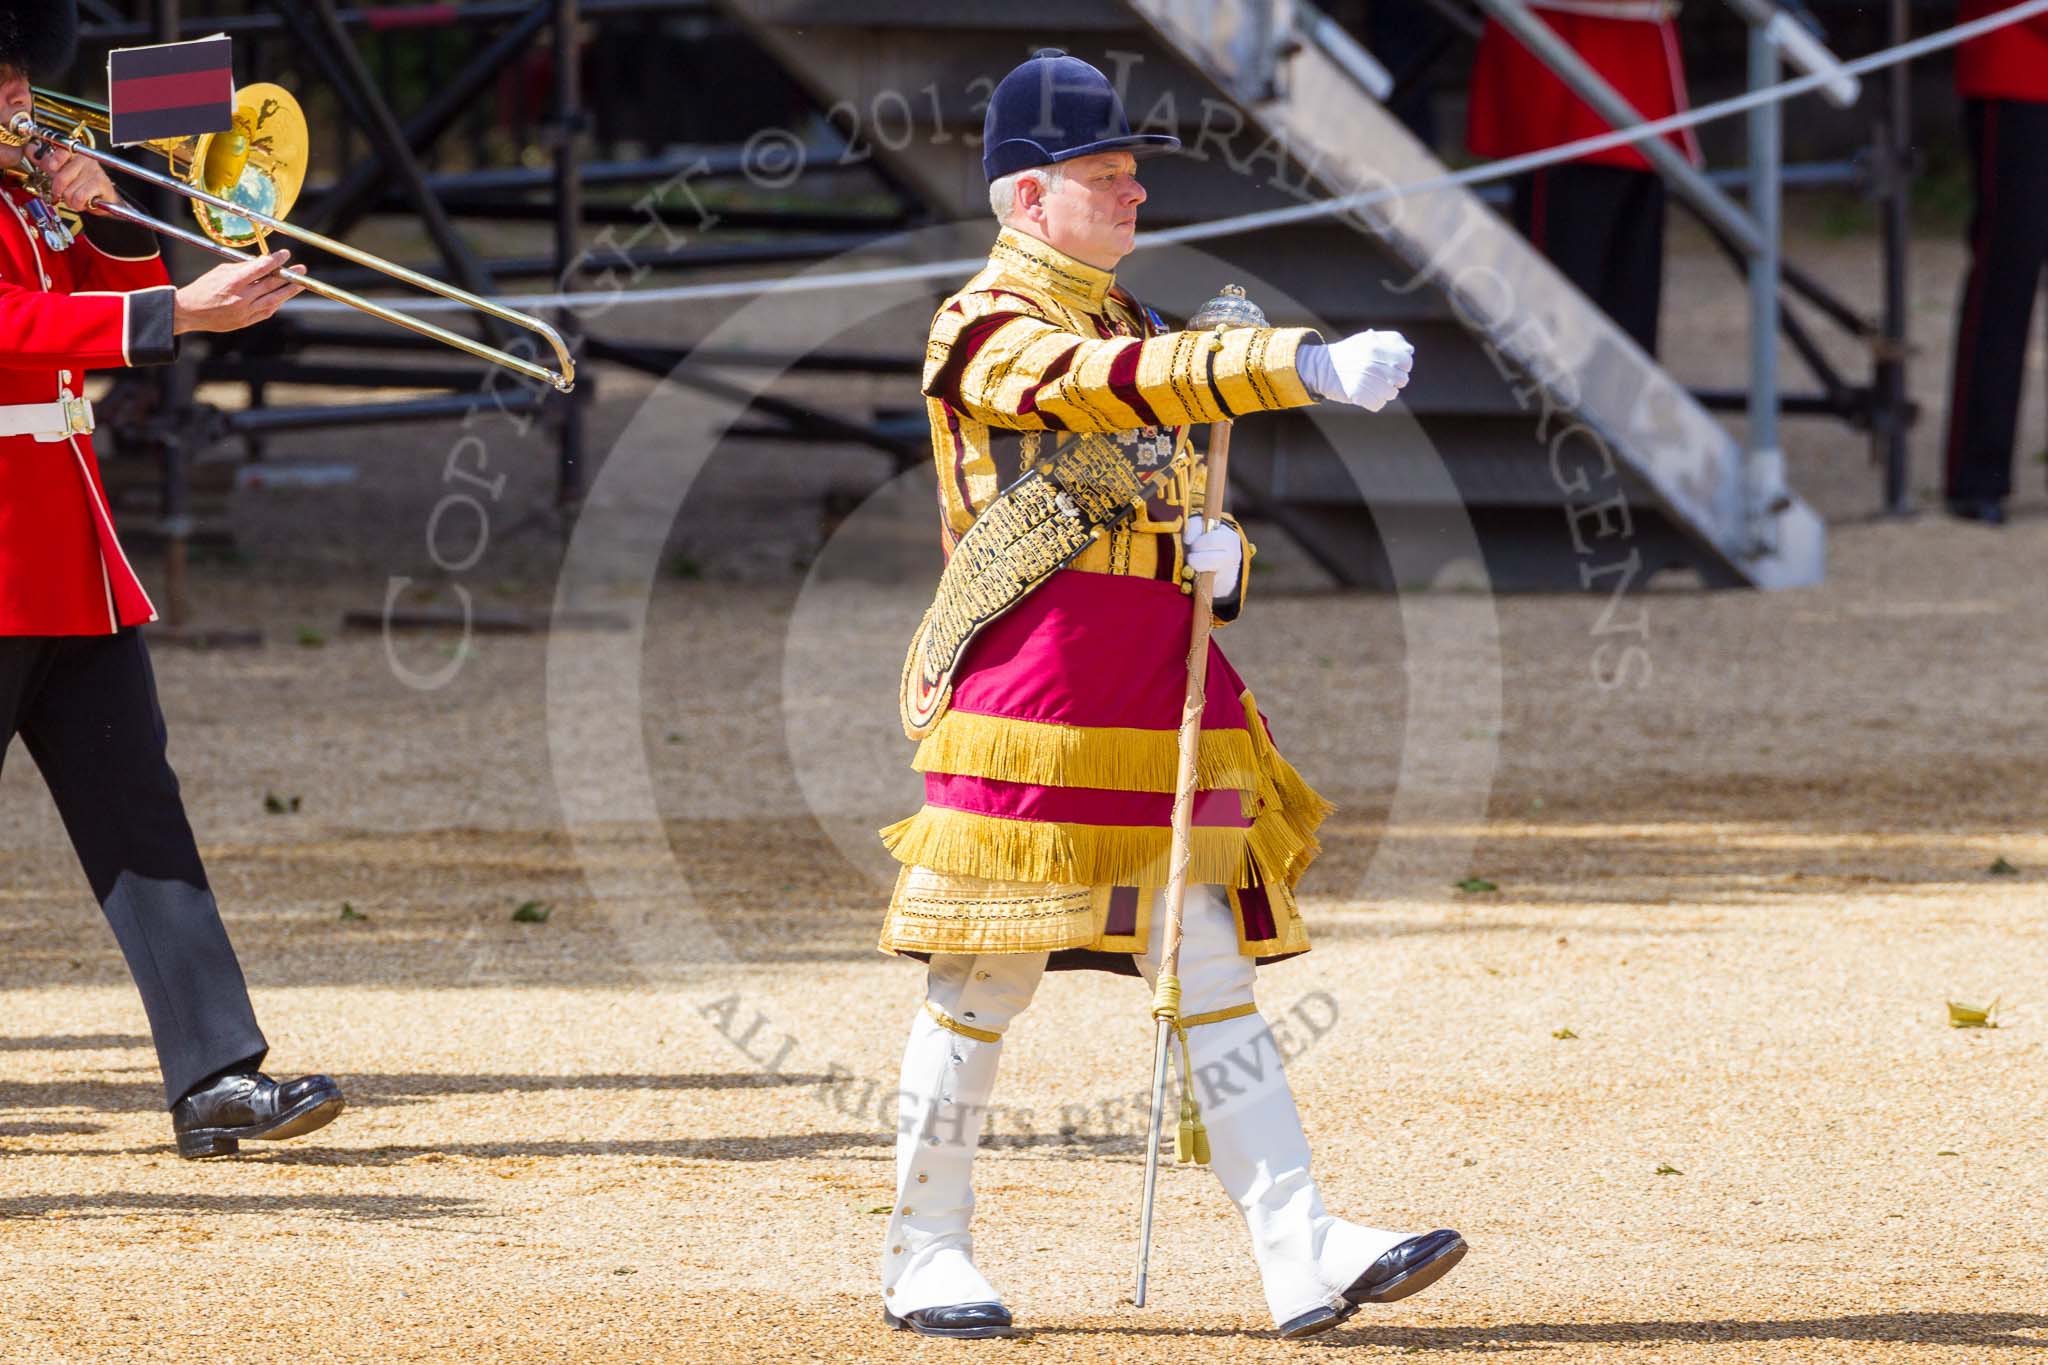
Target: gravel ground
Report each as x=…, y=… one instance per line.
x=1684, y=1078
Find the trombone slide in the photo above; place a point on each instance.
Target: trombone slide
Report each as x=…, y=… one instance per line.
x=562, y=378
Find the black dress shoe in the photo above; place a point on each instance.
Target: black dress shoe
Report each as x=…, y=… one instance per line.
x=1408, y=1268
x=212, y=1120
x=954, y=1320
x=1990, y=511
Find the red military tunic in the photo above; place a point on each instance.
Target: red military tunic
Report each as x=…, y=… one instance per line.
x=1519, y=105
x=2009, y=64
x=93, y=307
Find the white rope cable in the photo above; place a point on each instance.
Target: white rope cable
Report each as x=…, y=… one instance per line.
x=1267, y=218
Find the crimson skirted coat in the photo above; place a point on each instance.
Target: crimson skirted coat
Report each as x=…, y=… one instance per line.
x=104, y=303
x=1519, y=105
x=2009, y=64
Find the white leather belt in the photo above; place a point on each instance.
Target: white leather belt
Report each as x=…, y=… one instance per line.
x=58, y=421
x=1647, y=11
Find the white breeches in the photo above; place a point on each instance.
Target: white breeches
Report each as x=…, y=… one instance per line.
x=1306, y=1257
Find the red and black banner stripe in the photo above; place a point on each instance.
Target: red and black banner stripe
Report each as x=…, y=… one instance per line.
x=172, y=90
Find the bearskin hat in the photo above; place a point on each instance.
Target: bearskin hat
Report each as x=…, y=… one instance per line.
x=38, y=36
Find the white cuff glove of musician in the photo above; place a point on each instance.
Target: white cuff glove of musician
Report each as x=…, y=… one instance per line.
x=1367, y=369
x=1214, y=548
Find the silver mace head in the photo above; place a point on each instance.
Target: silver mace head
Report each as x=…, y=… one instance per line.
x=1228, y=309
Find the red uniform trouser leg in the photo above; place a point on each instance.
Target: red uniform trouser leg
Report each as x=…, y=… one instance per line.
x=86, y=707
x=2008, y=142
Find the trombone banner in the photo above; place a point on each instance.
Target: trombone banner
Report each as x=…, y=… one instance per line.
x=171, y=90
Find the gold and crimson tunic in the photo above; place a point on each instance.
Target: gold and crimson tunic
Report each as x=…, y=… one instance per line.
x=1049, y=779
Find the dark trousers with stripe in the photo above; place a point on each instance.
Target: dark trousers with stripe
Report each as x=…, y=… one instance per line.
x=86, y=707
x=1603, y=227
x=2008, y=142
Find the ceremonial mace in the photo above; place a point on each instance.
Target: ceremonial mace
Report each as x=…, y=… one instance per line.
x=1227, y=310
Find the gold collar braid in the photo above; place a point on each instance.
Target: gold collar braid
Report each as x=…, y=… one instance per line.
x=1075, y=282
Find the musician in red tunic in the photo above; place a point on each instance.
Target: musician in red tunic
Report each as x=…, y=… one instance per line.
x=75, y=680
x=1600, y=219
x=2003, y=79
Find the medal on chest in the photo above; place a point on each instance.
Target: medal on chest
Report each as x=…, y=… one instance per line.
x=55, y=235
x=1150, y=447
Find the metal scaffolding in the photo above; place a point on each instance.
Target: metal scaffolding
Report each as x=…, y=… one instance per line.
x=524, y=114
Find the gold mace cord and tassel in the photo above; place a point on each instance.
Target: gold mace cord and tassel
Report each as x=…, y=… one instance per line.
x=1191, y=1136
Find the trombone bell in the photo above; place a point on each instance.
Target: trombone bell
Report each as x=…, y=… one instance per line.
x=225, y=160
x=258, y=164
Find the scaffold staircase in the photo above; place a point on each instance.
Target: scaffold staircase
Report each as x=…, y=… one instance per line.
x=1539, y=430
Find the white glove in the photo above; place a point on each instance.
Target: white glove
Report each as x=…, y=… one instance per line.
x=1367, y=369
x=1215, y=550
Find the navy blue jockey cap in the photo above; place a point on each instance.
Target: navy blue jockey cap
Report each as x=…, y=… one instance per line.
x=1053, y=108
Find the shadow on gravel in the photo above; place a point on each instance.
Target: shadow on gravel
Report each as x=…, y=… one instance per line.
x=34, y=1129
x=772, y=1147
x=368, y=1089
x=74, y=1042
x=109, y=1097
x=1943, y=1329
x=364, y=1208
x=779, y=1147
x=1947, y=1329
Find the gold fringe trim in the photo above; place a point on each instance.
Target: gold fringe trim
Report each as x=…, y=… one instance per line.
x=1284, y=834
x=1282, y=838
x=975, y=845
x=1112, y=758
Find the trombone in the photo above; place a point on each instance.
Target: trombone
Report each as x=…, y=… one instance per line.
x=241, y=184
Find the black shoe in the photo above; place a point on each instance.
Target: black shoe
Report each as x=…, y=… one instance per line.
x=1990, y=511
x=212, y=1120
x=1409, y=1268
x=954, y=1320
